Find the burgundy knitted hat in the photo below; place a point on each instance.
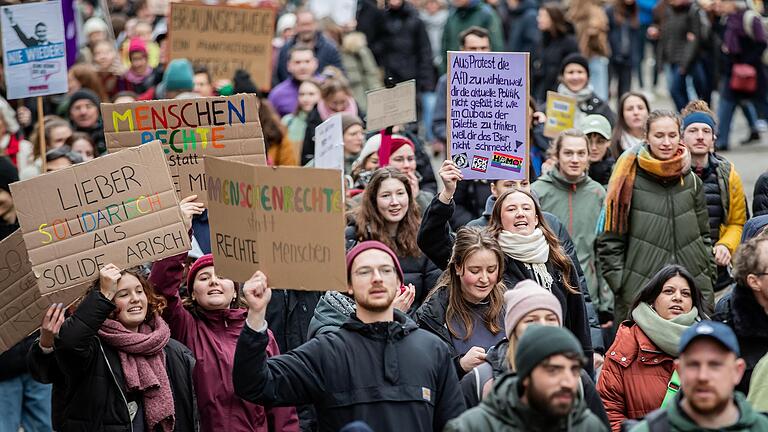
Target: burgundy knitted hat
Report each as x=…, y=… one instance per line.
x=367, y=245
x=399, y=141
x=203, y=261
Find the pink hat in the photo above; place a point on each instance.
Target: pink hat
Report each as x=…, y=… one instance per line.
x=137, y=45
x=399, y=141
x=203, y=261
x=371, y=244
x=526, y=297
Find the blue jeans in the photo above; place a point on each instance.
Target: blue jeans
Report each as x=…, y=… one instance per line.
x=25, y=402
x=598, y=76
x=427, y=106
x=725, y=110
x=679, y=85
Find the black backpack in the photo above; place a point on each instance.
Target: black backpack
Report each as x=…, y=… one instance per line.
x=657, y=422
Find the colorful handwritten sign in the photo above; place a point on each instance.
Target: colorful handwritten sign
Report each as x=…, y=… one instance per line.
x=391, y=106
x=120, y=208
x=487, y=104
x=329, y=144
x=561, y=114
x=189, y=130
x=21, y=305
x=285, y=221
x=224, y=39
x=34, y=49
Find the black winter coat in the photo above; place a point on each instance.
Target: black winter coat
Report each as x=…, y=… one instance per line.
x=601, y=171
x=409, y=53
x=13, y=362
x=470, y=198
x=708, y=176
x=96, y=390
x=419, y=271
x=760, y=196
x=44, y=369
x=496, y=365
x=436, y=241
x=545, y=63
x=391, y=375
x=288, y=314
x=749, y=321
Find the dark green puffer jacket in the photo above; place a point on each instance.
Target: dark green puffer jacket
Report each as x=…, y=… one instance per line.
x=503, y=411
x=668, y=224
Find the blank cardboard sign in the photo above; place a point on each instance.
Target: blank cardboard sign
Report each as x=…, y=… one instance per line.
x=391, y=106
x=21, y=305
x=285, y=221
x=120, y=208
x=189, y=129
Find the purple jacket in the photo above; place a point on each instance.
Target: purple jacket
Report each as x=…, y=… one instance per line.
x=212, y=337
x=285, y=96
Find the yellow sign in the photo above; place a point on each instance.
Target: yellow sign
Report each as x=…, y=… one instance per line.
x=561, y=114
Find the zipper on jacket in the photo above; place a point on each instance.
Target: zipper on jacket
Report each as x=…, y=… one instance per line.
x=114, y=378
x=674, y=228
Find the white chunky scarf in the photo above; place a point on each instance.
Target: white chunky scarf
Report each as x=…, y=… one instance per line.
x=532, y=250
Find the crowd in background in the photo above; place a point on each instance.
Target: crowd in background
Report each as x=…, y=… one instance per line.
x=623, y=284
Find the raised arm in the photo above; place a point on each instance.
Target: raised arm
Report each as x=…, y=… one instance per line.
x=434, y=238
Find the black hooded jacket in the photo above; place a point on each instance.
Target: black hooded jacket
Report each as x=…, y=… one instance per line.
x=392, y=375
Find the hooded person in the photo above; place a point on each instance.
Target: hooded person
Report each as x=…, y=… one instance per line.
x=525, y=305
x=140, y=76
x=85, y=116
x=543, y=394
x=179, y=77
x=208, y=320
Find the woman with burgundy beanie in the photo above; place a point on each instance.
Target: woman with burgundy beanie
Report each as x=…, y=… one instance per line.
x=208, y=320
x=123, y=370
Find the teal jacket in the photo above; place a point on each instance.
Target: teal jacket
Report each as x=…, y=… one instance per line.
x=502, y=410
x=749, y=419
x=579, y=206
x=478, y=14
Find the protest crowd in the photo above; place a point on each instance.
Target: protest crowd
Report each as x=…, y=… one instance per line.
x=520, y=240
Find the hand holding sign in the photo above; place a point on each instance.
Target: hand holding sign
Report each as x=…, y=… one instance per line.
x=109, y=275
x=189, y=208
x=450, y=174
x=257, y=295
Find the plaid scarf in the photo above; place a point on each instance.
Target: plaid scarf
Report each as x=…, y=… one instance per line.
x=620, y=187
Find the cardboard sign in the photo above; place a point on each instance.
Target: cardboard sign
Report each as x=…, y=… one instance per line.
x=158, y=7
x=285, y=221
x=224, y=38
x=329, y=144
x=487, y=105
x=391, y=106
x=120, y=209
x=21, y=305
x=34, y=49
x=561, y=114
x=189, y=130
x=340, y=11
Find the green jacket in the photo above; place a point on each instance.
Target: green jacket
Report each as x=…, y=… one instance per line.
x=749, y=419
x=668, y=224
x=502, y=410
x=476, y=14
x=579, y=207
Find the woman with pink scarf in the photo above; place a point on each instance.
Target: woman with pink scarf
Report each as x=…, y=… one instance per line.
x=123, y=370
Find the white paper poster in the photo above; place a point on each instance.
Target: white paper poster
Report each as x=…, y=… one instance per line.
x=34, y=53
x=340, y=11
x=329, y=144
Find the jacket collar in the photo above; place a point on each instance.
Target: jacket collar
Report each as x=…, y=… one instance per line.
x=749, y=318
x=394, y=330
x=432, y=313
x=633, y=344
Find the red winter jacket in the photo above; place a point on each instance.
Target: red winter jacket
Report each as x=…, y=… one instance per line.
x=212, y=337
x=635, y=376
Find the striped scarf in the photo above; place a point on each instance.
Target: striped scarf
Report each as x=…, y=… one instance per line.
x=619, y=196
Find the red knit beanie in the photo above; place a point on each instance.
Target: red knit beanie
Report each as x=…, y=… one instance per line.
x=399, y=141
x=203, y=261
x=367, y=245
x=137, y=45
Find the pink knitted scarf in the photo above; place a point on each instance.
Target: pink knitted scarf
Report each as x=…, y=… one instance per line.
x=143, y=361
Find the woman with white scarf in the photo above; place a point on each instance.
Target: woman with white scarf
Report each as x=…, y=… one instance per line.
x=637, y=373
x=531, y=249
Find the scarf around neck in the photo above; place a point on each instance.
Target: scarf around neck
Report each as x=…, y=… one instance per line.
x=532, y=250
x=620, y=187
x=325, y=112
x=143, y=362
x=581, y=95
x=664, y=333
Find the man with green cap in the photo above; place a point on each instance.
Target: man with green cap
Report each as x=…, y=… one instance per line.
x=543, y=396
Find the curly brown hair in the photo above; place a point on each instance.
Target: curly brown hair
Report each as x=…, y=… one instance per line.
x=371, y=224
x=557, y=256
x=156, y=303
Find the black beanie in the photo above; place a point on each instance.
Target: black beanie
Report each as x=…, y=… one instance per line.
x=574, y=58
x=540, y=342
x=84, y=93
x=8, y=174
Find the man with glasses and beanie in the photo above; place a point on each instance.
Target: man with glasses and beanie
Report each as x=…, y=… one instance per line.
x=379, y=367
x=710, y=367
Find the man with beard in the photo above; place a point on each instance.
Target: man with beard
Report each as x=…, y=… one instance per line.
x=709, y=367
x=379, y=367
x=543, y=396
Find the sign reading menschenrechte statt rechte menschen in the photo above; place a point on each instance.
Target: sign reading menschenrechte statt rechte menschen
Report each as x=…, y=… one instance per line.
x=487, y=114
x=34, y=51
